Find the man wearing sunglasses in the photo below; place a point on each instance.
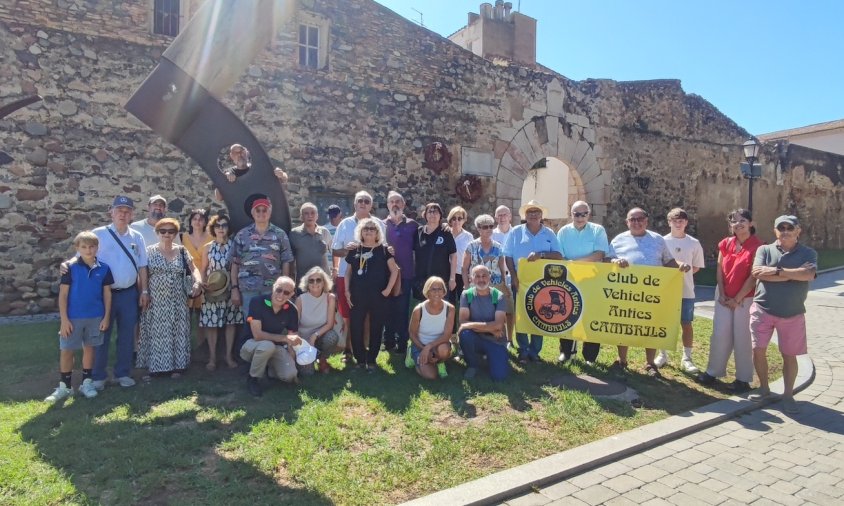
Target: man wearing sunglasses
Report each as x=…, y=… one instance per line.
x=640, y=246
x=583, y=241
x=783, y=270
x=344, y=242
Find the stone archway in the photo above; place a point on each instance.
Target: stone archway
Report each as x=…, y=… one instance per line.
x=571, y=140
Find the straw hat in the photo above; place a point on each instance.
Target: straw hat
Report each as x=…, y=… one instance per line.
x=217, y=287
x=532, y=205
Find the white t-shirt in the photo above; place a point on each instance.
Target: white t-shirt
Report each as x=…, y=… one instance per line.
x=146, y=230
x=499, y=236
x=689, y=251
x=346, y=233
x=462, y=242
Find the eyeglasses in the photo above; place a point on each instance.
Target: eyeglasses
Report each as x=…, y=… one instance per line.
x=736, y=222
x=458, y=218
x=580, y=215
x=221, y=225
x=370, y=229
x=167, y=231
x=363, y=201
x=282, y=291
x=432, y=211
x=637, y=219
x=785, y=228
x=314, y=281
x=486, y=227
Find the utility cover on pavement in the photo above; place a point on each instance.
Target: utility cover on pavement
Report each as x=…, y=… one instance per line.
x=595, y=386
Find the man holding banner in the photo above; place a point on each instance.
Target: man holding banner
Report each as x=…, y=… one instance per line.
x=531, y=241
x=640, y=246
x=582, y=241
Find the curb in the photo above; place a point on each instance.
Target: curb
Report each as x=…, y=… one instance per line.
x=506, y=484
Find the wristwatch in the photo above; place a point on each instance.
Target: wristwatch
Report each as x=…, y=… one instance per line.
x=779, y=270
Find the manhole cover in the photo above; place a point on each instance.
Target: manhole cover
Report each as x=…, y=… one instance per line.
x=595, y=386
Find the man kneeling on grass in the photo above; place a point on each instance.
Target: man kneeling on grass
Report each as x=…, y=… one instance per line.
x=271, y=334
x=483, y=325
x=84, y=308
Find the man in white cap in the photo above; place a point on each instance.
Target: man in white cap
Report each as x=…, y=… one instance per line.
x=123, y=249
x=260, y=253
x=531, y=241
x=156, y=209
x=784, y=270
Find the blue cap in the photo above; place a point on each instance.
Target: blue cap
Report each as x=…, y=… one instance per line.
x=123, y=201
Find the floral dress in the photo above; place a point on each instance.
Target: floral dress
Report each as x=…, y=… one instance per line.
x=219, y=314
x=165, y=325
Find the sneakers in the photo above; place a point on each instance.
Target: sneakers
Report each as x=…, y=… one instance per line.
x=661, y=358
x=441, y=370
x=688, y=366
x=705, y=378
x=653, y=371
x=61, y=392
x=408, y=360
x=87, y=389
x=470, y=373
x=789, y=405
x=126, y=381
x=563, y=358
x=253, y=387
x=739, y=387
x=99, y=385
x=762, y=394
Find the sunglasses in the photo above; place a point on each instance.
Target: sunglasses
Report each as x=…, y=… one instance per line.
x=459, y=218
x=167, y=231
x=580, y=215
x=785, y=228
x=370, y=229
x=261, y=210
x=314, y=281
x=282, y=291
x=221, y=225
x=638, y=219
x=486, y=227
x=363, y=201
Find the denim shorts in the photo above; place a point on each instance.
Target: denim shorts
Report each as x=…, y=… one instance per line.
x=687, y=311
x=416, y=352
x=86, y=332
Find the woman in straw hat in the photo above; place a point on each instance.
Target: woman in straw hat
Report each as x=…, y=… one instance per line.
x=217, y=310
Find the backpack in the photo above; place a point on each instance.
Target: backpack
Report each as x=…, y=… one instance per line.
x=495, y=292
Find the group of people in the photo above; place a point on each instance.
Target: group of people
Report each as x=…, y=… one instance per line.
x=348, y=285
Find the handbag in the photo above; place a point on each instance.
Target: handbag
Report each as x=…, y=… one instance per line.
x=187, y=276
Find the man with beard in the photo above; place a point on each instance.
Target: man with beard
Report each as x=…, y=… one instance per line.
x=482, y=326
x=400, y=233
x=156, y=209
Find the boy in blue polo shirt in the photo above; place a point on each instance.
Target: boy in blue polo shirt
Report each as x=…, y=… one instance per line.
x=84, y=307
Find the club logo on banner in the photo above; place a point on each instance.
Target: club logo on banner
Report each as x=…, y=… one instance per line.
x=552, y=303
x=597, y=302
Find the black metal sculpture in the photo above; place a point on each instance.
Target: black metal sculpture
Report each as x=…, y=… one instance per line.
x=181, y=98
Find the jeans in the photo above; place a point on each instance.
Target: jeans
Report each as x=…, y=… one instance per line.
x=124, y=314
x=474, y=345
x=529, y=349
x=397, y=322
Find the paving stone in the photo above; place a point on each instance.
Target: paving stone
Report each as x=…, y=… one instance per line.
x=532, y=499
x=713, y=484
x=648, y=473
x=621, y=501
x=596, y=494
x=558, y=490
x=657, y=502
x=702, y=494
x=692, y=456
x=568, y=501
x=741, y=495
x=751, y=464
x=671, y=464
x=760, y=478
x=638, y=460
x=785, y=487
x=775, y=495
x=816, y=497
x=623, y=483
x=672, y=480
x=614, y=469
x=587, y=480
x=658, y=489
x=682, y=499
x=702, y=468
x=690, y=476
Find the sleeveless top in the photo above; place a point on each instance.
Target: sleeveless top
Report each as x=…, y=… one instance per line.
x=313, y=314
x=431, y=326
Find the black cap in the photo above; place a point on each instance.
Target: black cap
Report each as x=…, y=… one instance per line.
x=334, y=210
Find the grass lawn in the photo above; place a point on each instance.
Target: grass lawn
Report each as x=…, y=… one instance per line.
x=344, y=438
x=827, y=258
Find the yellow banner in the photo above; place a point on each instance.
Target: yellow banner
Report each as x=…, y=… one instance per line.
x=600, y=303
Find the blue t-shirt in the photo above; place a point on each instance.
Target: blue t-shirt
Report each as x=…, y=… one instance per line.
x=648, y=249
x=85, y=295
x=577, y=244
x=521, y=243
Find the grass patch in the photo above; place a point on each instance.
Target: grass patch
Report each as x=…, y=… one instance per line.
x=344, y=438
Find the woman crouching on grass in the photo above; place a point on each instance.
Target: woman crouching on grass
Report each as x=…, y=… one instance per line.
x=317, y=312
x=430, y=330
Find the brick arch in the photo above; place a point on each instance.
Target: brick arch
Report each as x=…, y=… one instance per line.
x=554, y=137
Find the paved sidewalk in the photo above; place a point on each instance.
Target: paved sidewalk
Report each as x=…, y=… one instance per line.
x=749, y=456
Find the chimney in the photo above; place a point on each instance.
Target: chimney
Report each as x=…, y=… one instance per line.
x=508, y=6
x=486, y=10
x=499, y=10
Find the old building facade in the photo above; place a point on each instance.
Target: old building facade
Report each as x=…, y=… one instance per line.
x=363, y=101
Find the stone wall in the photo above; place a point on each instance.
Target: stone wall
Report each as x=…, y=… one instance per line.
x=389, y=89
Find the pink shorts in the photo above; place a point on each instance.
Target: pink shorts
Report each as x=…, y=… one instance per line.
x=791, y=332
x=342, y=302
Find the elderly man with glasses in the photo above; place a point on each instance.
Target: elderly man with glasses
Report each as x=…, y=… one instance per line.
x=260, y=253
x=640, y=246
x=783, y=271
x=583, y=241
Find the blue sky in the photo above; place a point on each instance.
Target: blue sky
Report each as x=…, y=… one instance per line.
x=768, y=65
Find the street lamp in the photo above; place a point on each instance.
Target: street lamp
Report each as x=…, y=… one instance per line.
x=751, y=171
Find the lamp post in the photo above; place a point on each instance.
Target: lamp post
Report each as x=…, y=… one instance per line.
x=751, y=153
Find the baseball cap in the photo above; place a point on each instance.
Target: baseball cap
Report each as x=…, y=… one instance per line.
x=156, y=198
x=787, y=218
x=261, y=202
x=123, y=201
x=333, y=210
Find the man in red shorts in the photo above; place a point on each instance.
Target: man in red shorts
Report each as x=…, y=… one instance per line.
x=784, y=270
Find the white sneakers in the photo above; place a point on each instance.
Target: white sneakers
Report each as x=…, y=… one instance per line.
x=686, y=365
x=661, y=358
x=126, y=381
x=99, y=384
x=61, y=392
x=87, y=389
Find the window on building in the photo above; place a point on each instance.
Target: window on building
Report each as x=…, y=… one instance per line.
x=165, y=15
x=309, y=46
